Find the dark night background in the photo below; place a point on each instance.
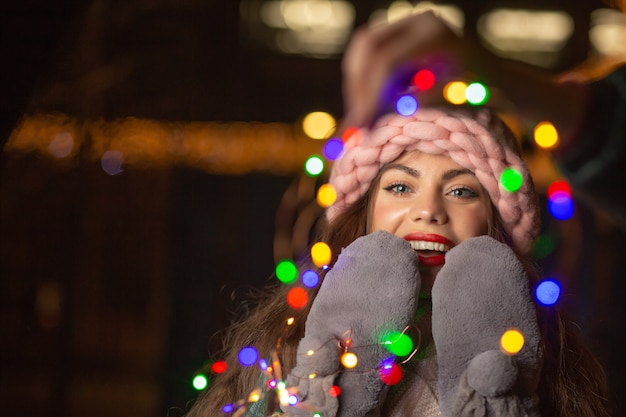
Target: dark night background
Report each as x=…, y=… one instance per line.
x=142, y=266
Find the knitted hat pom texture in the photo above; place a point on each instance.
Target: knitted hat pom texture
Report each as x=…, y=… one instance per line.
x=475, y=139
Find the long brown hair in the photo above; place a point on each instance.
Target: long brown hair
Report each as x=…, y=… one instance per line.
x=572, y=383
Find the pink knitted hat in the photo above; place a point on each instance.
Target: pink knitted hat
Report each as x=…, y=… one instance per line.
x=476, y=140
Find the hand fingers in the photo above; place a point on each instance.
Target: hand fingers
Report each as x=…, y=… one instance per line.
x=378, y=59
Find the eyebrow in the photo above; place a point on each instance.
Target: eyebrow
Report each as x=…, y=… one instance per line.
x=452, y=173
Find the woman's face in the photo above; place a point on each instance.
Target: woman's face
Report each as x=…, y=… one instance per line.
x=432, y=202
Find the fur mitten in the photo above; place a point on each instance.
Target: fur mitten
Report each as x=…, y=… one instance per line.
x=371, y=289
x=481, y=292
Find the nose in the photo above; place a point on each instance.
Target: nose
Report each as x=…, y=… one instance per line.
x=429, y=207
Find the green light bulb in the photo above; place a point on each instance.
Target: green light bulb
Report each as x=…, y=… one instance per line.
x=200, y=382
x=511, y=180
x=397, y=343
x=286, y=271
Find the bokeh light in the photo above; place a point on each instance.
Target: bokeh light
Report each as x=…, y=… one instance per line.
x=310, y=279
x=476, y=94
x=293, y=400
x=318, y=125
x=548, y=292
x=559, y=186
x=511, y=180
x=546, y=136
x=511, y=342
x=297, y=298
x=561, y=205
x=326, y=195
x=228, y=408
x=200, y=382
x=112, y=162
x=333, y=148
x=263, y=364
x=406, y=105
x=62, y=145
x=348, y=133
x=248, y=356
x=423, y=79
x=321, y=254
x=454, y=92
x=400, y=344
x=390, y=373
x=349, y=360
x=219, y=367
x=286, y=271
x=254, y=396
x=314, y=165
x=544, y=245
x=334, y=391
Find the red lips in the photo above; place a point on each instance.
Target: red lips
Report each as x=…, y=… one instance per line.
x=435, y=260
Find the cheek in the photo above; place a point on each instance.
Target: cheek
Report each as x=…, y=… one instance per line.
x=385, y=217
x=476, y=223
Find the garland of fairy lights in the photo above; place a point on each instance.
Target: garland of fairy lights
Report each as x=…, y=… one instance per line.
x=399, y=343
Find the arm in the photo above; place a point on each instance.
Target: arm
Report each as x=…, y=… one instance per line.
x=377, y=56
x=588, y=116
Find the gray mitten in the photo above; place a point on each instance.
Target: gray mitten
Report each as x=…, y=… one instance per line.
x=372, y=289
x=481, y=292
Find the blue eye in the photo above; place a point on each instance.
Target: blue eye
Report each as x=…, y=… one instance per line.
x=398, y=188
x=463, y=192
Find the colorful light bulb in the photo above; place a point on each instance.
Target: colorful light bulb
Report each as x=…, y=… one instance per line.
x=286, y=271
x=511, y=180
x=297, y=298
x=546, y=136
x=326, y=195
x=310, y=279
x=333, y=148
x=200, y=382
x=561, y=206
x=318, y=125
x=219, y=367
x=406, y=105
x=321, y=254
x=397, y=343
x=454, y=92
x=314, y=165
x=476, y=94
x=248, y=356
x=423, y=79
x=511, y=342
x=349, y=360
x=548, y=292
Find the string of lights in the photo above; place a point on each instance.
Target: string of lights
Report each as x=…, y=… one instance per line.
x=397, y=342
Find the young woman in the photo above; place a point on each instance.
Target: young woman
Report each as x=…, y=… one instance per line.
x=428, y=240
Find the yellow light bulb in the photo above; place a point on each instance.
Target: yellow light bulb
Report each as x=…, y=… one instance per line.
x=511, y=342
x=326, y=195
x=318, y=125
x=546, y=135
x=321, y=254
x=454, y=92
x=349, y=360
x=254, y=396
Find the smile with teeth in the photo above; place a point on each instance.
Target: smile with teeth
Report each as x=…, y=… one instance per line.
x=427, y=245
